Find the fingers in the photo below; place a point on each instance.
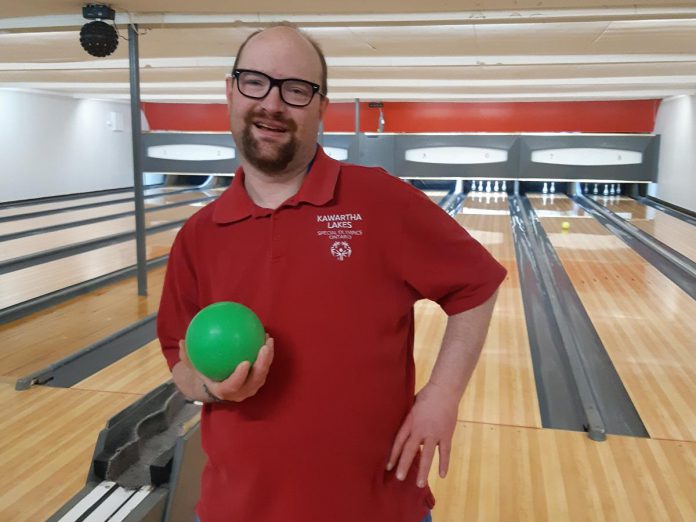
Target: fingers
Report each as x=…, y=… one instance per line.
x=229, y=388
x=444, y=450
x=407, y=455
x=246, y=380
x=426, y=461
x=410, y=449
x=259, y=372
x=406, y=446
x=399, y=442
x=183, y=355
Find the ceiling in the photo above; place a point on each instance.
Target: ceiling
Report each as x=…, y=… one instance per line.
x=469, y=50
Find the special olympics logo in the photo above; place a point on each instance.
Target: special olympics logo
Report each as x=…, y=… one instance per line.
x=341, y=250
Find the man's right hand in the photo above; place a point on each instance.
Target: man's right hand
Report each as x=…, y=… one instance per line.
x=244, y=382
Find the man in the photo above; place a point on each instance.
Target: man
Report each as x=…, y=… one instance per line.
x=324, y=427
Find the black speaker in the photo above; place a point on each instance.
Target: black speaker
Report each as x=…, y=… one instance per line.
x=98, y=38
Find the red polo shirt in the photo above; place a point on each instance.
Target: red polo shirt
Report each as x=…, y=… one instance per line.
x=333, y=274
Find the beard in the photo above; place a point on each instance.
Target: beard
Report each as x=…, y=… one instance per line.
x=276, y=160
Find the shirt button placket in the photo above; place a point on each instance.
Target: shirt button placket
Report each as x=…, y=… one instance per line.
x=276, y=243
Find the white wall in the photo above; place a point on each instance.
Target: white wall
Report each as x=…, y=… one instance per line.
x=51, y=145
x=676, y=173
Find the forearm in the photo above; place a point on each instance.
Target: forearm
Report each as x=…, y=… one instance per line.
x=461, y=348
x=189, y=383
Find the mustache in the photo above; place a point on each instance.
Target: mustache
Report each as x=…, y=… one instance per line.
x=288, y=123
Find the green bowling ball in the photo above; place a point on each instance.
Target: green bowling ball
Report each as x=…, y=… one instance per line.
x=221, y=336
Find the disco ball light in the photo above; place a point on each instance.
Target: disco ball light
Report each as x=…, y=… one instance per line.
x=98, y=38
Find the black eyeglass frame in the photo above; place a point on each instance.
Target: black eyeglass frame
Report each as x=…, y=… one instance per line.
x=316, y=89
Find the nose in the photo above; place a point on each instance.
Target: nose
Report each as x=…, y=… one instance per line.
x=273, y=102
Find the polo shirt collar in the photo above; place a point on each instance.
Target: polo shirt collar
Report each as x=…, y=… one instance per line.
x=317, y=189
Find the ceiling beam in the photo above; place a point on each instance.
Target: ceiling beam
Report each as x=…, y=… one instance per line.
x=159, y=20
x=443, y=97
x=365, y=61
x=411, y=83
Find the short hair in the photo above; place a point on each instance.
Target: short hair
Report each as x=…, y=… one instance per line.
x=324, y=83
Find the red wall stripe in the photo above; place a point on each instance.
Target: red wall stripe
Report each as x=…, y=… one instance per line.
x=205, y=117
x=629, y=116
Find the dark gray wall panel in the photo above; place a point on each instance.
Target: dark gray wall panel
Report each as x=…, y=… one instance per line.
x=643, y=172
x=343, y=141
x=501, y=170
x=388, y=151
x=377, y=150
x=226, y=166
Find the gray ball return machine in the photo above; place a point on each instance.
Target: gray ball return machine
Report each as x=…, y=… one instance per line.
x=146, y=466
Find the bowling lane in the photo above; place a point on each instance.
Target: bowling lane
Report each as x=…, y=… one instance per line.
x=505, y=473
x=436, y=195
x=70, y=216
x=673, y=232
x=60, y=238
x=502, y=389
x=38, y=340
x=87, y=200
x=46, y=447
x=138, y=372
x=645, y=321
x=37, y=280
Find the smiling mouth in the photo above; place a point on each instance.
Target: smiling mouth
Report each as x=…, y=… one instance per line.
x=270, y=128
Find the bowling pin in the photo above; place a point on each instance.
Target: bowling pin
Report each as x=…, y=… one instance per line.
x=480, y=185
x=545, y=190
x=618, y=189
x=503, y=188
x=553, y=188
x=596, y=190
x=488, y=186
x=587, y=189
x=495, y=186
x=611, y=190
x=606, y=190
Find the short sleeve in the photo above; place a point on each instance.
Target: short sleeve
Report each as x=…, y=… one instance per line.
x=179, y=302
x=442, y=262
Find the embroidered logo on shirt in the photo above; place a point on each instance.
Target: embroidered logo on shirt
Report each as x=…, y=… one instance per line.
x=341, y=250
x=339, y=220
x=339, y=227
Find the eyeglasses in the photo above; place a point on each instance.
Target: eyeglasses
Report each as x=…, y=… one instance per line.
x=257, y=85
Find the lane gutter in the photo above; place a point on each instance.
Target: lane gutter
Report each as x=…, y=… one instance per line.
x=577, y=384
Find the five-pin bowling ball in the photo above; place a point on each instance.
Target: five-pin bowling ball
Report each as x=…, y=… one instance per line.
x=221, y=336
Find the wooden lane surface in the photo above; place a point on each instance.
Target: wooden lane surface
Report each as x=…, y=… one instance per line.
x=502, y=389
x=47, y=438
x=509, y=473
x=645, y=321
x=673, y=232
x=497, y=473
x=78, y=234
x=23, y=225
x=436, y=195
x=87, y=200
x=37, y=280
x=138, y=372
x=38, y=340
x=504, y=473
